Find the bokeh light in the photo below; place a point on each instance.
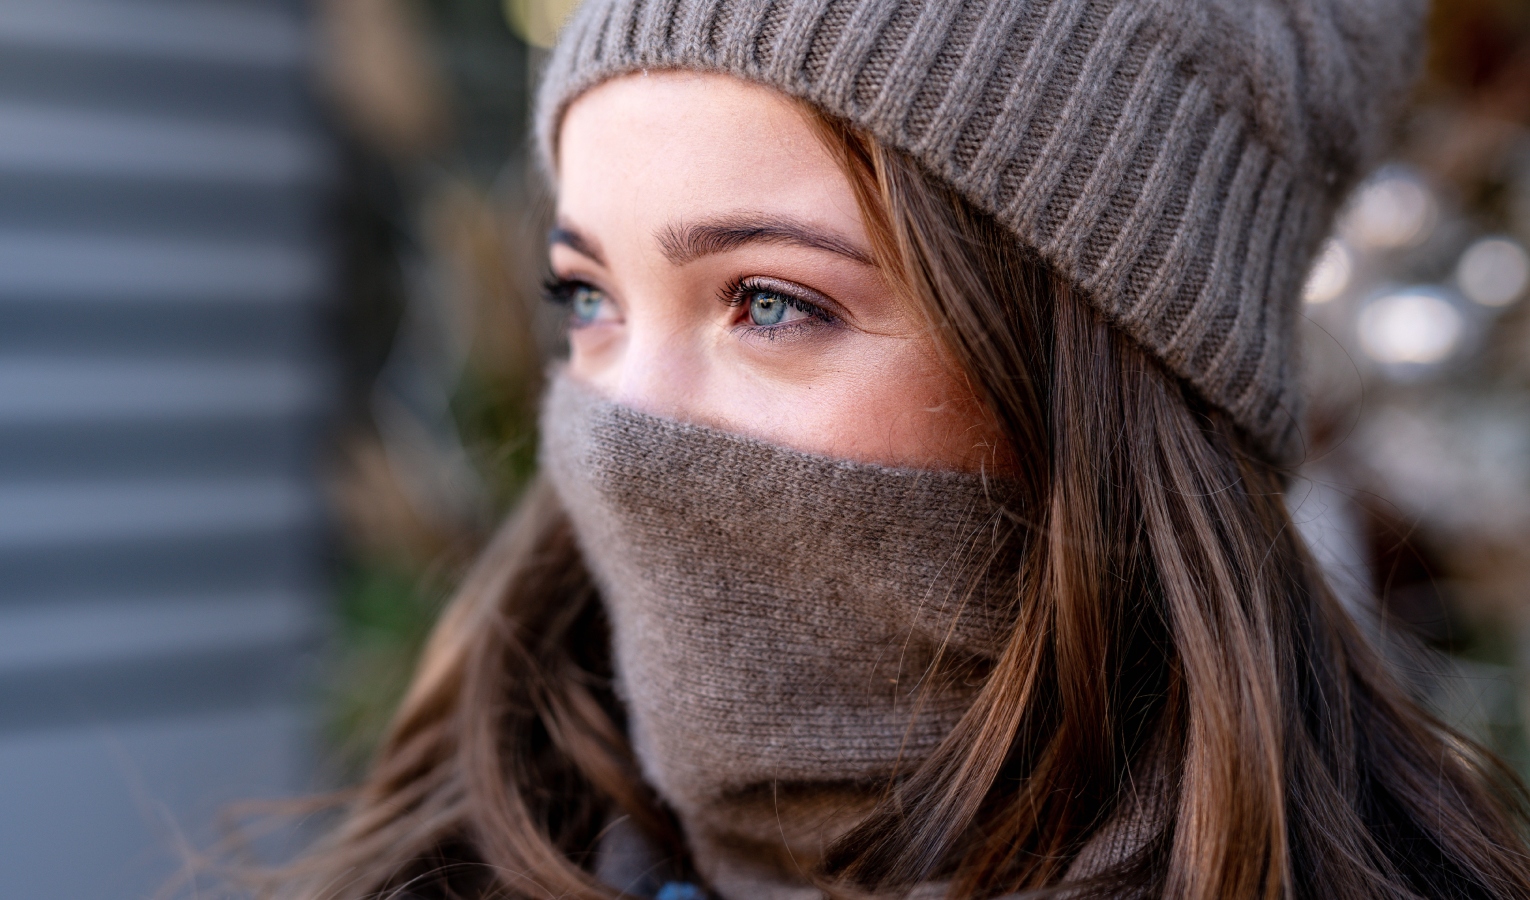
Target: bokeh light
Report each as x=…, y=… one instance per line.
x=1331, y=273
x=538, y=21
x=1394, y=209
x=1415, y=326
x=1494, y=271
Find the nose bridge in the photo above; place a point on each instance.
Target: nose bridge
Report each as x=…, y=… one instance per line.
x=658, y=365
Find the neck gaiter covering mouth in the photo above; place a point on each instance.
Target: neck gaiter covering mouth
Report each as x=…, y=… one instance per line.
x=790, y=632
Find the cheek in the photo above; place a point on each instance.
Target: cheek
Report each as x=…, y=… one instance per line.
x=593, y=354
x=915, y=411
x=883, y=400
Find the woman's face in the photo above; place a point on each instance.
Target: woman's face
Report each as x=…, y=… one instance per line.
x=716, y=270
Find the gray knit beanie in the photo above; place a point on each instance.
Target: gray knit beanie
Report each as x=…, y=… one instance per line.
x=1178, y=160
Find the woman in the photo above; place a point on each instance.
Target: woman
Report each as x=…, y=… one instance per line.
x=911, y=521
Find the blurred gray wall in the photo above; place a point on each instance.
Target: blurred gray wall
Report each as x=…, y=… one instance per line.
x=163, y=272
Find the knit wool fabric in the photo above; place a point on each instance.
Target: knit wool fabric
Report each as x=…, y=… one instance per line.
x=1177, y=160
x=789, y=631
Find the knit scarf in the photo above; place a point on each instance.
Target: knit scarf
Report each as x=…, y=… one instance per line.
x=790, y=632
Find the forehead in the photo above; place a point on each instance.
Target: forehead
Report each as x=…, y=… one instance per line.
x=651, y=149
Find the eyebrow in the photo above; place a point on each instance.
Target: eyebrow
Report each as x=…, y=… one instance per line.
x=572, y=238
x=691, y=241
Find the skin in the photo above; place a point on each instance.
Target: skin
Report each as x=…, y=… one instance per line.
x=717, y=270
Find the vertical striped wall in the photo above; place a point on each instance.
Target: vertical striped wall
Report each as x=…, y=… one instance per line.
x=162, y=386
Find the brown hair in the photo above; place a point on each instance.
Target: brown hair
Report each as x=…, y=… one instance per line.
x=1180, y=676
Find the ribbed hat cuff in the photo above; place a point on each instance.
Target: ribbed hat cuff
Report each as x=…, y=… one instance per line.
x=1095, y=130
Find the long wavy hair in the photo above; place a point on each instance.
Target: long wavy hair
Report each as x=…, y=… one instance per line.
x=1179, y=672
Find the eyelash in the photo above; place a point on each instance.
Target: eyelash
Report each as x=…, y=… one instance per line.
x=560, y=291
x=736, y=295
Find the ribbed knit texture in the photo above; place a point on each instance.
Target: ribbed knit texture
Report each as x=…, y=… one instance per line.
x=1179, y=160
x=789, y=631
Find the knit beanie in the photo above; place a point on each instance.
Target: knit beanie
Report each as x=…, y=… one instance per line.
x=1177, y=160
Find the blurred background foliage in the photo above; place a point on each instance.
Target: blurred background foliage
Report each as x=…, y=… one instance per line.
x=441, y=221
x=1417, y=353
x=1416, y=338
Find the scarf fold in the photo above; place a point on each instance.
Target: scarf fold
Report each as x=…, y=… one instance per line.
x=790, y=632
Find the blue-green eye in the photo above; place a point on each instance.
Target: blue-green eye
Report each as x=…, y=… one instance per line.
x=586, y=303
x=770, y=308
x=775, y=309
